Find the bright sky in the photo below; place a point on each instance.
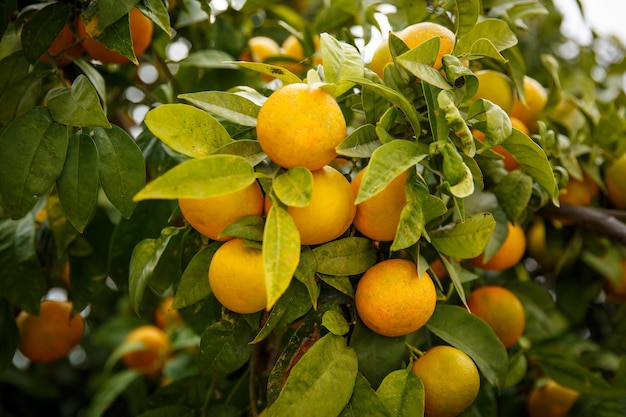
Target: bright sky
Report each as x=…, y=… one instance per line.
x=606, y=17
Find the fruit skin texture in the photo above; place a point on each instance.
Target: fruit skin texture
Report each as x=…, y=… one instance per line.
x=141, y=29
x=211, y=215
x=152, y=350
x=501, y=310
x=330, y=211
x=551, y=400
x=495, y=87
x=61, y=47
x=536, y=98
x=413, y=36
x=300, y=125
x=614, y=181
x=392, y=300
x=451, y=381
x=509, y=254
x=52, y=334
x=378, y=217
x=237, y=277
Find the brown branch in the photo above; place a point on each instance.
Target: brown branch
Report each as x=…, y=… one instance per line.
x=600, y=221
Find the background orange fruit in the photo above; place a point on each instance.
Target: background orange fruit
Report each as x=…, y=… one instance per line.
x=495, y=87
x=615, y=184
x=150, y=349
x=551, y=400
x=536, y=98
x=509, y=254
x=64, y=47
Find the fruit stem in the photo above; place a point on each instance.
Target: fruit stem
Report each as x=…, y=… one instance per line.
x=414, y=350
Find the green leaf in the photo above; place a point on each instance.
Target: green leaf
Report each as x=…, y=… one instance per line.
x=335, y=322
x=187, y=129
x=10, y=334
x=294, y=187
x=494, y=122
x=224, y=347
x=412, y=218
x=108, y=22
x=156, y=11
x=360, y=143
x=324, y=376
x=20, y=88
x=487, y=38
x=194, y=283
x=247, y=148
x=305, y=273
x=281, y=253
x=144, y=260
x=387, y=162
x=514, y=191
x=283, y=74
x=465, y=239
x=200, y=178
x=6, y=14
x=463, y=330
x=248, y=227
x=78, y=105
x=110, y=389
x=533, y=161
x=364, y=401
x=122, y=167
x=402, y=394
x=348, y=256
x=419, y=62
x=231, y=106
x=436, y=116
x=445, y=100
x=209, y=59
x=173, y=410
x=42, y=29
x=341, y=60
x=467, y=12
x=33, y=153
x=78, y=184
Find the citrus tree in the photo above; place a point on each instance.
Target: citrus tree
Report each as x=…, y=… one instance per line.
x=260, y=208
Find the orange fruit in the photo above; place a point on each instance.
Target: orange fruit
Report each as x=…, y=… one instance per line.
x=300, y=125
x=578, y=193
x=615, y=184
x=393, y=300
x=51, y=334
x=413, y=36
x=141, y=29
x=551, y=400
x=509, y=254
x=149, y=349
x=211, y=215
x=536, y=98
x=450, y=378
x=616, y=291
x=263, y=47
x=378, y=217
x=501, y=310
x=330, y=211
x=292, y=48
x=439, y=269
x=495, y=87
x=65, y=47
x=165, y=316
x=237, y=277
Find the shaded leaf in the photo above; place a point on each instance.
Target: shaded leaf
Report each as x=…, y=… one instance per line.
x=402, y=394
x=466, y=239
x=348, y=256
x=40, y=31
x=224, y=347
x=364, y=401
x=194, y=283
x=78, y=105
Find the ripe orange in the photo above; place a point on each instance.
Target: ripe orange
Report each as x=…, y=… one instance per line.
x=495, y=87
x=64, y=47
x=141, y=29
x=509, y=254
x=237, y=277
x=451, y=381
x=211, y=215
x=300, y=125
x=330, y=211
x=413, y=36
x=150, y=349
x=292, y=48
x=263, y=47
x=165, y=316
x=393, y=300
x=51, y=334
x=578, y=193
x=615, y=184
x=536, y=99
x=551, y=400
x=501, y=310
x=378, y=217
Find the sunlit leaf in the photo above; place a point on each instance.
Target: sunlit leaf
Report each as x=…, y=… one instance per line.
x=360, y=143
x=419, y=62
x=156, y=11
x=467, y=12
x=230, y=106
x=275, y=71
x=294, y=187
x=208, y=58
x=456, y=122
x=341, y=60
x=487, y=38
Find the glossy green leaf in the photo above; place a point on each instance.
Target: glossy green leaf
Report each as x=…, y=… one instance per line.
x=494, y=121
x=419, y=62
x=224, y=347
x=110, y=389
x=360, y=143
x=324, y=376
x=335, y=322
x=275, y=71
x=143, y=261
x=341, y=60
x=294, y=187
x=387, y=162
x=281, y=252
x=412, y=219
x=247, y=148
x=402, y=393
x=156, y=11
x=20, y=89
x=200, y=178
x=194, y=283
x=514, y=191
x=348, y=256
x=455, y=172
x=487, y=38
x=108, y=22
x=463, y=330
x=210, y=59
x=78, y=105
x=248, y=227
x=33, y=153
x=231, y=106
x=187, y=129
x=456, y=123
x=122, y=167
x=42, y=29
x=464, y=239
x=96, y=79
x=436, y=117
x=79, y=181
x=364, y=401
x=467, y=12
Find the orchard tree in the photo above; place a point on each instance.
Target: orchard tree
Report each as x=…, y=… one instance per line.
x=306, y=208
